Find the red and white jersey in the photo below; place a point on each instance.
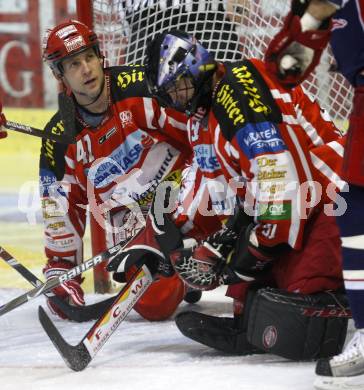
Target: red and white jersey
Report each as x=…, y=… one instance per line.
x=279, y=148
x=113, y=168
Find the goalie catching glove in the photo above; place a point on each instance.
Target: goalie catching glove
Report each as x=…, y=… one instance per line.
x=228, y=256
x=296, y=50
x=70, y=291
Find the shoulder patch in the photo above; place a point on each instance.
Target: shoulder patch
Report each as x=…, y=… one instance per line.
x=128, y=81
x=52, y=153
x=243, y=97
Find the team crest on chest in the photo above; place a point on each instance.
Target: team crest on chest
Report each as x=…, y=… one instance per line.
x=126, y=118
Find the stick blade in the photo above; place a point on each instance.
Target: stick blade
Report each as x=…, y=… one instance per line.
x=76, y=357
x=83, y=313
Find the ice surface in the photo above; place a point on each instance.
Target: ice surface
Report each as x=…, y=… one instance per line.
x=139, y=355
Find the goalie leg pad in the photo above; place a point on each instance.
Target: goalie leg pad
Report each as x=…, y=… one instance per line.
x=222, y=333
x=297, y=326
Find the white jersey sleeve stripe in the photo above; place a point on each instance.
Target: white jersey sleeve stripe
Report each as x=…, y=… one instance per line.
x=293, y=231
x=149, y=112
x=337, y=147
x=162, y=118
x=286, y=97
x=327, y=171
x=229, y=168
x=309, y=128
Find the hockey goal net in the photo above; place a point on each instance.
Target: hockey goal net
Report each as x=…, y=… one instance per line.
x=232, y=29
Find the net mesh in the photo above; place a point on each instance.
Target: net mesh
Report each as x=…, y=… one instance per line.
x=232, y=29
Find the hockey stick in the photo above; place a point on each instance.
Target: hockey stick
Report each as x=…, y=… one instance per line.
x=67, y=112
x=74, y=313
x=25, y=129
x=52, y=283
x=79, y=356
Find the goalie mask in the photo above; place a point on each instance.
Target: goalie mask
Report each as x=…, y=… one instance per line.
x=179, y=71
x=65, y=40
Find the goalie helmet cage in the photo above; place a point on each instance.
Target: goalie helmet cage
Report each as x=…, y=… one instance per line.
x=241, y=30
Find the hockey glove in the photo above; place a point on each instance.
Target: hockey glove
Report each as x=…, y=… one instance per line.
x=204, y=267
x=249, y=260
x=70, y=291
x=294, y=53
x=3, y=132
x=151, y=246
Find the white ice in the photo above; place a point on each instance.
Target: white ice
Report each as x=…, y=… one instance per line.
x=139, y=355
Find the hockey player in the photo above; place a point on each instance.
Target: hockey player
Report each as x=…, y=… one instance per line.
x=125, y=145
x=3, y=132
x=291, y=62
x=271, y=143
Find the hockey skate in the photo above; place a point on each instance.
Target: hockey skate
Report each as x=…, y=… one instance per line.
x=344, y=371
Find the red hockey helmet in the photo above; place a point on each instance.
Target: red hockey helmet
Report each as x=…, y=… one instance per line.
x=65, y=40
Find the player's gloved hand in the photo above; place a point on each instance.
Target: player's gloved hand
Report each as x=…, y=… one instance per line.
x=204, y=266
x=293, y=53
x=70, y=291
x=3, y=132
x=151, y=246
x=249, y=260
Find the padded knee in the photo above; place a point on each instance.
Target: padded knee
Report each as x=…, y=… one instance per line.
x=161, y=299
x=298, y=326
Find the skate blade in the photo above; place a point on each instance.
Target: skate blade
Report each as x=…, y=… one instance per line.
x=339, y=383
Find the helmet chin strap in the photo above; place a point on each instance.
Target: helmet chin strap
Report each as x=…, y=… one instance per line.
x=96, y=98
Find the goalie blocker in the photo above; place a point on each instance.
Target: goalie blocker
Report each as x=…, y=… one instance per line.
x=291, y=325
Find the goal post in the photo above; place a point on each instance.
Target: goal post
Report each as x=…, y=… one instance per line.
x=232, y=29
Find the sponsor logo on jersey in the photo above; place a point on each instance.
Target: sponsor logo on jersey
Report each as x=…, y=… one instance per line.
x=272, y=174
x=107, y=135
x=225, y=98
x=206, y=158
x=120, y=161
x=146, y=197
x=46, y=178
x=126, y=118
x=275, y=211
x=125, y=79
x=272, y=189
x=260, y=138
x=56, y=225
x=51, y=209
x=255, y=103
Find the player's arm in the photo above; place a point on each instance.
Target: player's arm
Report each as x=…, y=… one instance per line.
x=64, y=219
x=3, y=132
x=296, y=50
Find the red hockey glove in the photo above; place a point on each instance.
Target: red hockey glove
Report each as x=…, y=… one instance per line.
x=3, y=132
x=151, y=246
x=293, y=54
x=71, y=291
